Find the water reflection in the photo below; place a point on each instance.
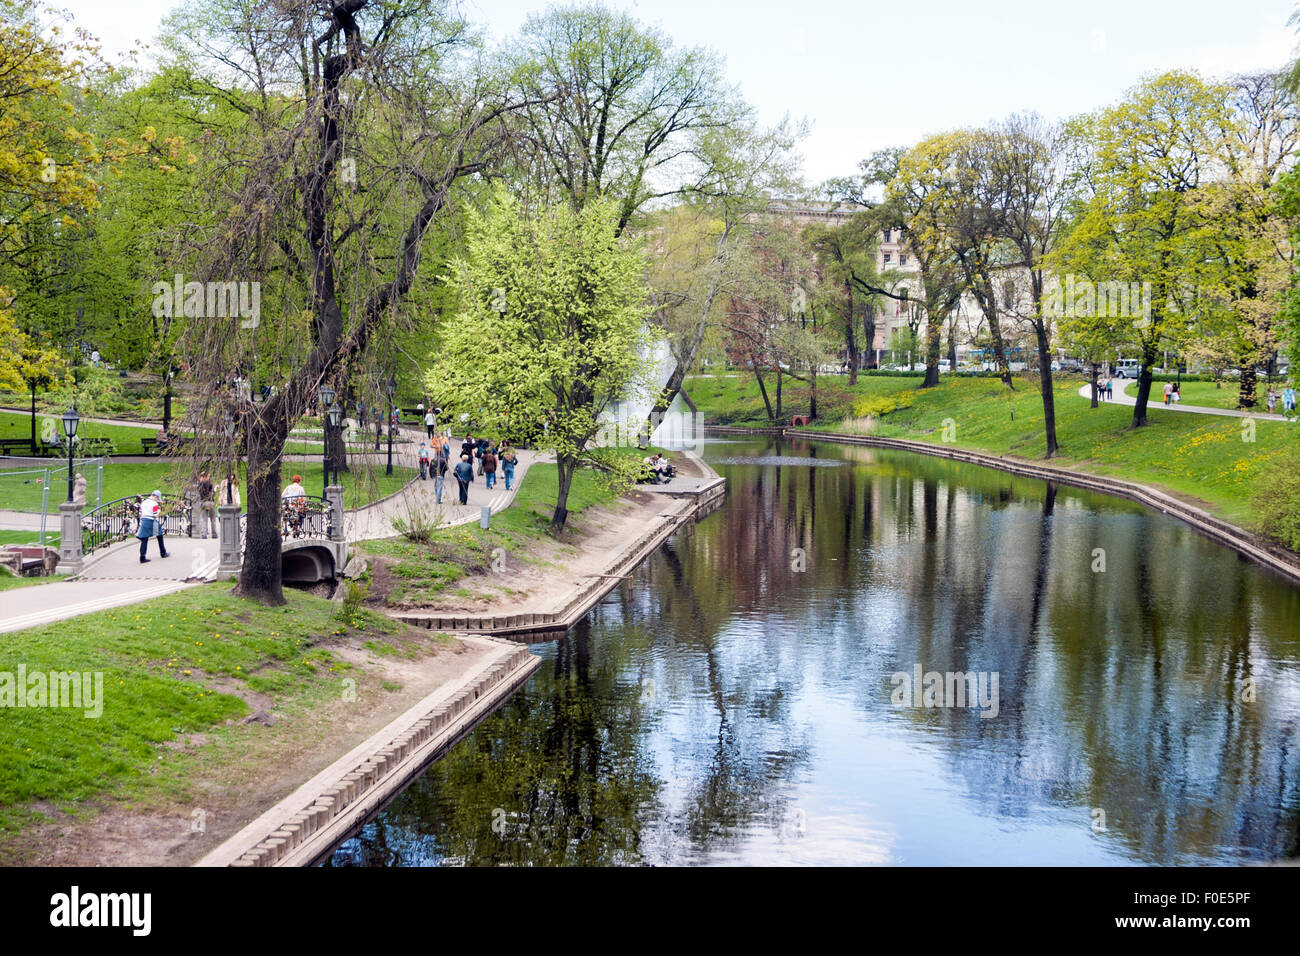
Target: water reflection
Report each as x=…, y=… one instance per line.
x=731, y=703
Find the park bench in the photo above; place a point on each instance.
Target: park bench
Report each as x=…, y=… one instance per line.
x=52, y=446
x=26, y=560
x=10, y=445
x=150, y=445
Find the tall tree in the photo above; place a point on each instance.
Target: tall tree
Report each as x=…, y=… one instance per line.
x=1142, y=224
x=549, y=328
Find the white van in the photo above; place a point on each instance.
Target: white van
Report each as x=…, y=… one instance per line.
x=1127, y=368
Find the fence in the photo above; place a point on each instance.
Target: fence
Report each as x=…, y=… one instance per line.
x=120, y=519
x=37, y=485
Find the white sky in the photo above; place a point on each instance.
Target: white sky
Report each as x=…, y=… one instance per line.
x=871, y=74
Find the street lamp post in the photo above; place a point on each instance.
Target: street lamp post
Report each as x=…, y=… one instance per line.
x=392, y=408
x=326, y=403
x=70, y=421
x=335, y=415
x=230, y=467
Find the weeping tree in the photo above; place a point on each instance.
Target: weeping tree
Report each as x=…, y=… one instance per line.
x=548, y=327
x=361, y=121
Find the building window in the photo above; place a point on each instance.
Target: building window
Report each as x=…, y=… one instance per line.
x=902, y=259
x=886, y=235
x=889, y=256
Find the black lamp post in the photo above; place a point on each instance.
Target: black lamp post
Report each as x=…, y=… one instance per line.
x=230, y=468
x=335, y=415
x=392, y=408
x=70, y=421
x=326, y=400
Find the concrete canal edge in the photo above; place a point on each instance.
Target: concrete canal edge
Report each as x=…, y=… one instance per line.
x=303, y=827
x=1224, y=532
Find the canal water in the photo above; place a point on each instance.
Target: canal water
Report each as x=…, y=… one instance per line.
x=1098, y=684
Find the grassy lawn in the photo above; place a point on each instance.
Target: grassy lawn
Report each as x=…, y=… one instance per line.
x=121, y=479
x=125, y=438
x=1199, y=457
x=736, y=399
x=176, y=665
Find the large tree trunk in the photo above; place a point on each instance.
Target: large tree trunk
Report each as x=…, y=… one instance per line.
x=812, y=398
x=1045, y=384
x=1096, y=370
x=850, y=336
x=932, y=349
x=869, y=330
x=1248, y=397
x=32, y=383
x=260, y=576
x=952, y=344
x=758, y=376
x=565, y=467
x=780, y=381
x=1144, y=389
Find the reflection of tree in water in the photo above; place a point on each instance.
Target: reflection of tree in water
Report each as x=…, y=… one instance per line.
x=1119, y=690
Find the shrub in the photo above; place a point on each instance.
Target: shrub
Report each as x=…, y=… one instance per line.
x=878, y=405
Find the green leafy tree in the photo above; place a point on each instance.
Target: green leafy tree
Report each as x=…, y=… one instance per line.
x=549, y=328
x=1143, y=223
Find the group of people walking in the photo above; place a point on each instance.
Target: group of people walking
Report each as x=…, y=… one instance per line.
x=491, y=457
x=1286, y=397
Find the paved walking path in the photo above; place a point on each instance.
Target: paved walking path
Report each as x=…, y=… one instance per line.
x=46, y=603
x=115, y=576
x=376, y=521
x=1157, y=401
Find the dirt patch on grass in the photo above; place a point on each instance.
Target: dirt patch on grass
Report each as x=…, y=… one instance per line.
x=206, y=787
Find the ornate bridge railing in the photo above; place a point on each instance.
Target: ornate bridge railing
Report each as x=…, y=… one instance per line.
x=306, y=516
x=118, y=520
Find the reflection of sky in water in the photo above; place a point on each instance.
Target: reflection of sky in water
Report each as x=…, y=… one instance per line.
x=755, y=701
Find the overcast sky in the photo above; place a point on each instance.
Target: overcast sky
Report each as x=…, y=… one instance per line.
x=871, y=74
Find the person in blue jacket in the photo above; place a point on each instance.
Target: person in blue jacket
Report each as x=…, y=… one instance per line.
x=464, y=475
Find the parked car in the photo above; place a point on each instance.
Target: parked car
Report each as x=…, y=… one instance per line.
x=1127, y=368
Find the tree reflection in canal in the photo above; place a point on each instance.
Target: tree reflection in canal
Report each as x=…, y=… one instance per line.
x=726, y=706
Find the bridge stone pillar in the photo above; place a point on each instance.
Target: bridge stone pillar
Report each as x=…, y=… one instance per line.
x=228, y=531
x=334, y=495
x=70, y=559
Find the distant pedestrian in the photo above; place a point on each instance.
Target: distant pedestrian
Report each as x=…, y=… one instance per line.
x=429, y=422
x=230, y=490
x=207, y=506
x=1110, y=389
x=464, y=475
x=1288, y=399
x=1272, y=401
x=424, y=460
x=508, y=461
x=1177, y=394
x=151, y=526
x=489, y=468
x=439, y=473
x=480, y=449
x=1168, y=390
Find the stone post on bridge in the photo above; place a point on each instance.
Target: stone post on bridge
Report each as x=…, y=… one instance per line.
x=232, y=559
x=70, y=538
x=334, y=496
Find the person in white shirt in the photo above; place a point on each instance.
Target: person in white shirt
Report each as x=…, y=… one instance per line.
x=294, y=489
x=428, y=422
x=151, y=525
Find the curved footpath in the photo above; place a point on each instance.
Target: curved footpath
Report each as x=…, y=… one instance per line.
x=1223, y=532
x=305, y=826
x=1157, y=401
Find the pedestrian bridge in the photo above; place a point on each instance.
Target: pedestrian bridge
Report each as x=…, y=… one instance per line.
x=311, y=534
